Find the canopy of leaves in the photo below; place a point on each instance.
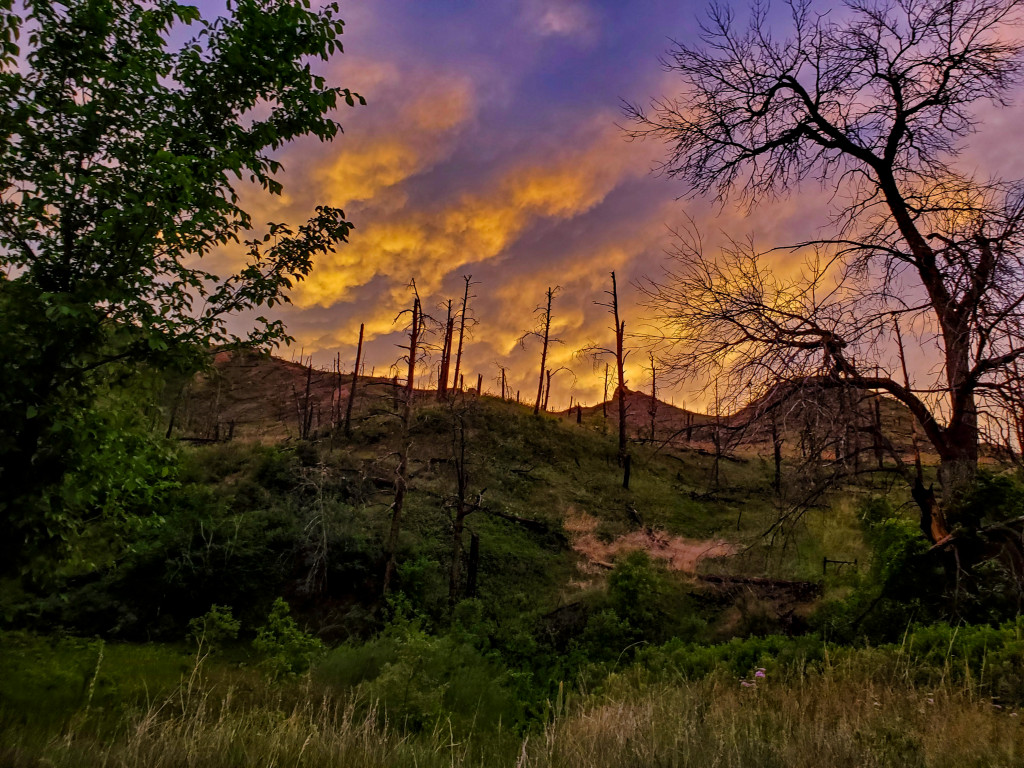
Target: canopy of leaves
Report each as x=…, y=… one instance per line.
x=121, y=155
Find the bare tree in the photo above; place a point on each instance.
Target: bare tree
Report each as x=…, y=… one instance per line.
x=446, y=354
x=542, y=332
x=464, y=320
x=873, y=103
x=652, y=409
x=459, y=506
x=352, y=388
x=620, y=354
x=416, y=328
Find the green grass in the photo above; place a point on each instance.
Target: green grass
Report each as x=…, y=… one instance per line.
x=870, y=707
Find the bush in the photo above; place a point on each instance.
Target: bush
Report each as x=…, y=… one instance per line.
x=214, y=628
x=285, y=648
x=415, y=679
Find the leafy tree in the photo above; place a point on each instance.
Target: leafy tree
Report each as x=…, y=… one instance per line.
x=121, y=156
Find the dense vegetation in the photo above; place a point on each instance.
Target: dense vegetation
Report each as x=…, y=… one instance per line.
x=242, y=616
x=228, y=603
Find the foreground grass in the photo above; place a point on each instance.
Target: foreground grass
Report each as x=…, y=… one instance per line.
x=844, y=714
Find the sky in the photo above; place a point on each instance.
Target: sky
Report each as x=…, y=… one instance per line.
x=492, y=144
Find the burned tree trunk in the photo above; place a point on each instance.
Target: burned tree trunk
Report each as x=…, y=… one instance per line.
x=446, y=356
x=352, y=388
x=544, y=350
x=402, y=472
x=653, y=409
x=620, y=361
x=462, y=330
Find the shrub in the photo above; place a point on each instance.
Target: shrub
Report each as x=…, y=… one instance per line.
x=214, y=628
x=285, y=648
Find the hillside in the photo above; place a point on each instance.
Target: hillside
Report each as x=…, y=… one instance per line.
x=252, y=396
x=247, y=615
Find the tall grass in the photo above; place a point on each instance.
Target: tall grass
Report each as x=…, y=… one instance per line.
x=845, y=714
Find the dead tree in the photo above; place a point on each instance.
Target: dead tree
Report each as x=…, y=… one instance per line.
x=402, y=472
x=304, y=405
x=915, y=238
x=620, y=362
x=464, y=318
x=352, y=387
x=459, y=505
x=618, y=352
x=446, y=355
x=652, y=410
x=542, y=332
x=550, y=374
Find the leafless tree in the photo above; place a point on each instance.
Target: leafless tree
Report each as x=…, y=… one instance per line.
x=465, y=320
x=416, y=328
x=874, y=103
x=446, y=354
x=542, y=332
x=352, y=387
x=619, y=353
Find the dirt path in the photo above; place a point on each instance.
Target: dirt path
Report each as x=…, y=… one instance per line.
x=679, y=553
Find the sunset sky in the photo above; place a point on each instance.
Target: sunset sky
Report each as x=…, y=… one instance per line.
x=492, y=145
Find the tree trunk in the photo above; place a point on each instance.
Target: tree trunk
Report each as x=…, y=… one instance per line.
x=620, y=360
x=446, y=356
x=653, y=410
x=352, y=388
x=402, y=473
x=544, y=352
x=462, y=330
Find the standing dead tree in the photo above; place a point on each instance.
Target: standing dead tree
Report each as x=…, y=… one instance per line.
x=652, y=409
x=465, y=320
x=446, y=354
x=550, y=374
x=875, y=104
x=619, y=354
x=459, y=506
x=352, y=386
x=417, y=326
x=542, y=332
x=305, y=404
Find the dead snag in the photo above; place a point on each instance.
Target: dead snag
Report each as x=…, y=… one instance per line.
x=402, y=472
x=352, y=387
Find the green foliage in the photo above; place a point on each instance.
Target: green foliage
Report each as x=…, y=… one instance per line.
x=214, y=628
x=636, y=590
x=123, y=474
x=417, y=679
x=119, y=157
x=740, y=657
x=904, y=582
x=285, y=648
x=993, y=499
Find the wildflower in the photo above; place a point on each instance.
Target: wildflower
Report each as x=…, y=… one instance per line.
x=1013, y=714
x=746, y=684
x=930, y=700
x=760, y=673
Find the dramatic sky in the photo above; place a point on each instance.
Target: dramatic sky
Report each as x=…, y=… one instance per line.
x=491, y=145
